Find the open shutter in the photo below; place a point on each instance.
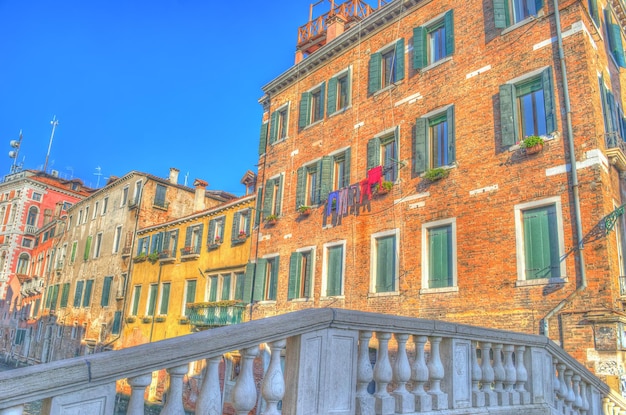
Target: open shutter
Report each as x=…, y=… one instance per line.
x=593, y=11
x=322, y=105
x=247, y=286
x=615, y=39
x=346, y=167
x=421, y=138
x=259, y=280
x=87, y=248
x=274, y=127
x=451, y=139
x=304, y=117
x=234, y=234
x=374, y=73
x=325, y=178
x=399, y=52
x=188, y=235
x=211, y=234
x=279, y=194
x=538, y=5
x=546, y=79
x=332, y=96
x=267, y=199
x=307, y=280
x=259, y=206
x=263, y=138
x=449, y=26
x=420, y=57
x=301, y=187
x=385, y=264
x=508, y=116
x=373, y=153
x=273, y=280
x=500, y=13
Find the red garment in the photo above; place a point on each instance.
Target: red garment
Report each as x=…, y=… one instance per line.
x=374, y=176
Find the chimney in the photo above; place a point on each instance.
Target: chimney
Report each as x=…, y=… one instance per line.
x=174, y=175
x=198, y=201
x=335, y=26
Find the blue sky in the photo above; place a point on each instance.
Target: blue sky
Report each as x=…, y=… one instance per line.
x=142, y=85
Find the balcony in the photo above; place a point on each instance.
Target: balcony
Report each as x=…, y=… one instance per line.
x=133, y=203
x=160, y=204
x=215, y=314
x=167, y=255
x=126, y=251
x=31, y=230
x=616, y=151
x=190, y=252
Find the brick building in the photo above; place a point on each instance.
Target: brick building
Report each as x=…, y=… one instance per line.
x=431, y=100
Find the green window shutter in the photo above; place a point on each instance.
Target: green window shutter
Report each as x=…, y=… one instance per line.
x=301, y=187
x=136, y=297
x=439, y=257
x=420, y=54
x=87, y=296
x=421, y=145
x=65, y=294
x=538, y=5
x=346, y=166
x=451, y=135
x=294, y=274
x=385, y=264
x=508, y=115
x=259, y=206
x=615, y=39
x=190, y=295
x=225, y=287
x=321, y=107
x=166, y=241
x=239, y=285
x=55, y=296
x=188, y=235
x=274, y=127
x=307, y=274
x=541, y=248
x=263, y=138
x=73, y=256
x=270, y=186
x=373, y=153
x=247, y=286
x=449, y=25
x=165, y=298
x=152, y=296
x=106, y=291
x=117, y=323
x=78, y=293
x=335, y=257
x=331, y=106
x=594, y=12
x=374, y=73
x=87, y=248
x=234, y=233
x=546, y=80
x=259, y=280
x=399, y=60
x=325, y=178
x=304, y=117
x=500, y=12
x=279, y=196
x=273, y=287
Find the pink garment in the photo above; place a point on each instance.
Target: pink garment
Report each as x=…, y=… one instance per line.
x=374, y=176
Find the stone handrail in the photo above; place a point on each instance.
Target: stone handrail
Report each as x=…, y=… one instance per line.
x=328, y=369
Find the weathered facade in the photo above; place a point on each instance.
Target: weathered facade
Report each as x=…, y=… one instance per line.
x=432, y=100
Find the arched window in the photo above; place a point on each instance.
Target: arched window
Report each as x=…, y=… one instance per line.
x=32, y=216
x=22, y=263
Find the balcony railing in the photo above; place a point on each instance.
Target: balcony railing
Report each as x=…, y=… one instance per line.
x=132, y=203
x=214, y=314
x=31, y=230
x=167, y=255
x=422, y=366
x=616, y=150
x=161, y=204
x=190, y=252
x=126, y=251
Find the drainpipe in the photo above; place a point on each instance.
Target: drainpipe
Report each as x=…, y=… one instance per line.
x=574, y=173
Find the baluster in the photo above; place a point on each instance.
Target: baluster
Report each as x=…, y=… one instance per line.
x=583, y=393
x=510, y=375
x=491, y=398
x=210, y=396
x=521, y=375
x=419, y=376
x=385, y=403
x=273, y=388
x=436, y=371
x=478, y=397
x=499, y=375
x=138, y=386
x=364, y=375
x=174, y=399
x=578, y=400
x=244, y=392
x=16, y=410
x=606, y=406
x=405, y=403
x=561, y=393
x=556, y=384
x=569, y=396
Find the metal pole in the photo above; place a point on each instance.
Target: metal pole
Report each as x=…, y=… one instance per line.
x=54, y=123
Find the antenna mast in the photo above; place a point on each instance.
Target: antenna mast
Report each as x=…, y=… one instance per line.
x=54, y=123
x=14, y=153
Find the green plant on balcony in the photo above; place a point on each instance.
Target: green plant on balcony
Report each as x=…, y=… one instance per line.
x=183, y=320
x=131, y=319
x=435, y=174
x=304, y=210
x=141, y=257
x=153, y=257
x=160, y=318
x=384, y=187
x=243, y=235
x=533, y=144
x=271, y=219
x=146, y=319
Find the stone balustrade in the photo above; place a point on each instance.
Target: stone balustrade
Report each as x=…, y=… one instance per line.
x=420, y=366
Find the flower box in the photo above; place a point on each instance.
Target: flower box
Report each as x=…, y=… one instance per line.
x=146, y=319
x=160, y=318
x=131, y=319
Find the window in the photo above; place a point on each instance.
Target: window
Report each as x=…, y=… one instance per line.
x=98, y=244
x=509, y=12
x=117, y=323
x=439, y=254
x=87, y=248
x=170, y=242
x=384, y=262
x=78, y=293
x=540, y=241
x=315, y=181
x=265, y=279
x=135, y=304
x=312, y=106
x=65, y=293
x=31, y=219
x=593, y=11
x=116, y=239
x=80, y=217
x=53, y=294
x=95, y=210
x=226, y=287
x=279, y=123
x=22, y=263
x=87, y=296
x=383, y=151
x=73, y=254
x=159, y=196
x=152, y=296
x=434, y=140
x=164, y=299
x=137, y=192
x=212, y=287
x=193, y=238
x=241, y=225
x=36, y=196
x=157, y=243
x=142, y=245
x=433, y=42
x=124, y=196
x=66, y=206
x=190, y=294
x=106, y=291
x=105, y=205
x=341, y=169
x=386, y=67
x=526, y=107
x=301, y=274
x=216, y=230
x=86, y=215
x=339, y=95
x=273, y=196
x=332, y=278
x=240, y=280
x=69, y=222
x=27, y=243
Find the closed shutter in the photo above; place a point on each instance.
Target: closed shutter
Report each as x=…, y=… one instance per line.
x=374, y=73
x=279, y=194
x=78, y=293
x=136, y=297
x=87, y=296
x=87, y=248
x=306, y=274
x=190, y=295
x=439, y=257
x=420, y=56
x=165, y=298
x=234, y=233
x=325, y=178
x=449, y=25
x=508, y=116
x=451, y=135
x=117, y=323
x=259, y=280
x=55, y=296
x=304, y=117
x=263, y=138
x=541, y=249
x=399, y=52
x=420, y=145
x=273, y=279
x=346, y=168
x=385, y=264
x=106, y=291
x=270, y=187
x=152, y=299
x=225, y=287
x=65, y=293
x=546, y=80
x=331, y=107
x=335, y=256
x=248, y=283
x=373, y=153
x=500, y=12
x=213, y=288
x=295, y=261
x=259, y=206
x=188, y=235
x=301, y=187
x=239, y=285
x=274, y=127
x=321, y=106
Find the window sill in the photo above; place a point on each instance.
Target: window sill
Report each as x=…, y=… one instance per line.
x=522, y=23
x=301, y=300
x=387, y=88
x=332, y=298
x=264, y=302
x=454, y=289
x=383, y=294
x=279, y=141
x=435, y=64
x=540, y=281
x=546, y=138
x=340, y=111
x=314, y=123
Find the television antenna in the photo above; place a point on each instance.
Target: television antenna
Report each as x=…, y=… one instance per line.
x=99, y=174
x=14, y=153
x=54, y=123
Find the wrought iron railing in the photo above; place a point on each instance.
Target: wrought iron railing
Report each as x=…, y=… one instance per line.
x=189, y=250
x=206, y=314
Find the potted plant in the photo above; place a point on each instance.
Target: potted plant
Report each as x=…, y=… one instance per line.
x=186, y=250
x=217, y=240
x=183, y=320
x=153, y=257
x=436, y=174
x=131, y=319
x=146, y=319
x=160, y=318
x=384, y=187
x=141, y=257
x=304, y=210
x=533, y=144
x=271, y=219
x=243, y=235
